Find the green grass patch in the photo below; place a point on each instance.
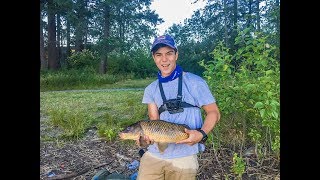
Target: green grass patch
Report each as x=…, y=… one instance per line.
x=73, y=123
x=75, y=112
x=85, y=79
x=132, y=83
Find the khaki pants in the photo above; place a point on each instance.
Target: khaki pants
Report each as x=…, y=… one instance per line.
x=154, y=168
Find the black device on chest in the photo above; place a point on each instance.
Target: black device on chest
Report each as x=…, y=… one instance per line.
x=173, y=105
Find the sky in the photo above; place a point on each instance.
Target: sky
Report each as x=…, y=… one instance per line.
x=174, y=11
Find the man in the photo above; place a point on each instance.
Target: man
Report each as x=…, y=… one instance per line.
x=177, y=102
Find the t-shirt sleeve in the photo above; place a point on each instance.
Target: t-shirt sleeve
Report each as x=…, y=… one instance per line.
x=203, y=93
x=147, y=96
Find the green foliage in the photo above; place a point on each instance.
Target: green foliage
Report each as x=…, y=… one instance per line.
x=199, y=35
x=275, y=146
x=72, y=123
x=108, y=127
x=75, y=112
x=137, y=62
x=120, y=64
x=84, y=60
x=238, y=166
x=144, y=65
x=83, y=79
x=255, y=136
x=75, y=79
x=247, y=83
x=109, y=132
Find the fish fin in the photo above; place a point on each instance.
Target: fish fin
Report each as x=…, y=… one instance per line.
x=162, y=146
x=186, y=126
x=143, y=143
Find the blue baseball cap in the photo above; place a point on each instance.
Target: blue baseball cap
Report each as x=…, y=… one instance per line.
x=164, y=39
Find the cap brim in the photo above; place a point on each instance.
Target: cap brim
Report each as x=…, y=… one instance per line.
x=164, y=44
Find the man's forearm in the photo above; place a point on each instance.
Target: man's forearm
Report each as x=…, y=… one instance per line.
x=210, y=121
x=153, y=112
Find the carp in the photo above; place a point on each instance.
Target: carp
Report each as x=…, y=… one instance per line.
x=160, y=131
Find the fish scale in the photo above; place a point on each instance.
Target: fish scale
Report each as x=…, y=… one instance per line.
x=159, y=130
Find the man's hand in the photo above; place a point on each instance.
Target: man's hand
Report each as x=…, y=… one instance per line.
x=144, y=141
x=194, y=137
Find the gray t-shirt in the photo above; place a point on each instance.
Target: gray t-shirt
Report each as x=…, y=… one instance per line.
x=195, y=91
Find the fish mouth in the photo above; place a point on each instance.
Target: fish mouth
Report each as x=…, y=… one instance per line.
x=122, y=135
x=128, y=136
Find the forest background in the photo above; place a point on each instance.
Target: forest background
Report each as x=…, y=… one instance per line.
x=232, y=44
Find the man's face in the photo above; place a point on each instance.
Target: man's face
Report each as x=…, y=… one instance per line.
x=165, y=59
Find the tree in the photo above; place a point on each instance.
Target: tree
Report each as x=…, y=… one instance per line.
x=43, y=60
x=106, y=36
x=80, y=29
x=52, y=52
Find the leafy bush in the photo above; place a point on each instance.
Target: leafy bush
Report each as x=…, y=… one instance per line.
x=137, y=62
x=83, y=60
x=248, y=83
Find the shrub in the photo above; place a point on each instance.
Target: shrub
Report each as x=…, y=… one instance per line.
x=84, y=59
x=248, y=83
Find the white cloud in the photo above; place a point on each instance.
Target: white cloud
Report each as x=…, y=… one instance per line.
x=174, y=11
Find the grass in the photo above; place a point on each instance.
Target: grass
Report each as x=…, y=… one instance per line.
x=128, y=83
x=131, y=83
x=76, y=79
x=72, y=113
x=75, y=112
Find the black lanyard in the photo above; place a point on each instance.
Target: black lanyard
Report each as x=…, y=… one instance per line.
x=173, y=105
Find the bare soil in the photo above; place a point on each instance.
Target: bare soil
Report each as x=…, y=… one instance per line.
x=82, y=159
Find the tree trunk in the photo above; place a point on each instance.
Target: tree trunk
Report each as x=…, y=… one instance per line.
x=86, y=28
x=235, y=26
x=104, y=56
x=249, y=14
x=258, y=15
x=59, y=39
x=103, y=64
x=52, y=54
x=86, y=36
x=278, y=27
x=43, y=61
x=235, y=14
x=68, y=38
x=278, y=20
x=225, y=23
x=80, y=28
